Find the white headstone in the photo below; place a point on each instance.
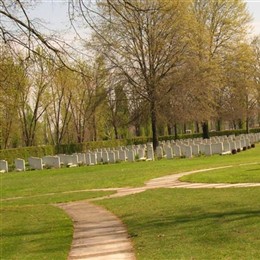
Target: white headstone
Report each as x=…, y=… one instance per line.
x=177, y=150
x=51, y=161
x=169, y=152
x=188, y=151
x=74, y=159
x=122, y=155
x=159, y=152
x=248, y=144
x=141, y=153
x=93, y=158
x=35, y=163
x=238, y=144
x=105, y=157
x=88, y=158
x=99, y=157
x=207, y=150
x=3, y=166
x=112, y=157
x=116, y=155
x=233, y=145
x=82, y=158
x=130, y=156
x=226, y=147
x=19, y=165
x=195, y=149
x=150, y=154
x=217, y=148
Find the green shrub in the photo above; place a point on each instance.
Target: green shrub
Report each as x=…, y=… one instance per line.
x=25, y=152
x=39, y=151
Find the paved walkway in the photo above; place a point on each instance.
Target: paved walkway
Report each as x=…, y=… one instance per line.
x=98, y=234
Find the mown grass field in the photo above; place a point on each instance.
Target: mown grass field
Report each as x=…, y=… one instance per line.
x=164, y=224
x=192, y=224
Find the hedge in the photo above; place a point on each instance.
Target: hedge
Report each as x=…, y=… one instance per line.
x=25, y=152
x=39, y=151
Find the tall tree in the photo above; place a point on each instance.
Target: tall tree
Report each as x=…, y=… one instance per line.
x=144, y=40
x=58, y=114
x=11, y=79
x=31, y=104
x=224, y=24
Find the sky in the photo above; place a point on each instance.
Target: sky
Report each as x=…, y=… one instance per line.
x=54, y=13
x=254, y=9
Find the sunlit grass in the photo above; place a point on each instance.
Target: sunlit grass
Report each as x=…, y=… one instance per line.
x=35, y=232
x=112, y=175
x=164, y=224
x=238, y=174
x=192, y=224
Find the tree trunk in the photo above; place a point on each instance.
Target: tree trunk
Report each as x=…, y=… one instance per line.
x=154, y=125
x=137, y=130
x=197, y=127
x=219, y=125
x=115, y=131
x=94, y=127
x=247, y=125
x=205, y=130
x=169, y=129
x=240, y=124
x=175, y=132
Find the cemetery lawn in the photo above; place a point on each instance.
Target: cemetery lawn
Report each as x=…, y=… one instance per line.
x=31, y=183
x=164, y=223
x=192, y=223
x=31, y=228
x=238, y=174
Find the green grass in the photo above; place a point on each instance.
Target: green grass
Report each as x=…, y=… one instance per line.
x=192, y=224
x=115, y=175
x=238, y=174
x=35, y=232
x=162, y=222
x=31, y=228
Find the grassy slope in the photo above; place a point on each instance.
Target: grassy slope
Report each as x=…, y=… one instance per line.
x=192, y=224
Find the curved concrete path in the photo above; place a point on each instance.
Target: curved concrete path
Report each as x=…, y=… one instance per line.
x=98, y=234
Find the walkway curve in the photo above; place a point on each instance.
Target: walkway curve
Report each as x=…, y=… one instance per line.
x=172, y=181
x=100, y=235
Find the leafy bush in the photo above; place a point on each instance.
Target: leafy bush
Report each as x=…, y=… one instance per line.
x=25, y=152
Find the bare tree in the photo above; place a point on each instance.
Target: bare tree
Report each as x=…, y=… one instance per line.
x=144, y=40
x=31, y=103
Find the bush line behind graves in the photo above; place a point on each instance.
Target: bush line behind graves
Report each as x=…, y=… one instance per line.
x=39, y=151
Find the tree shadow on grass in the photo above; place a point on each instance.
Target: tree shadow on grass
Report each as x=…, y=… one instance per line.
x=194, y=220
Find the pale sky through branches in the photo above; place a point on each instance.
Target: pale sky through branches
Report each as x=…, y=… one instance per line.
x=55, y=14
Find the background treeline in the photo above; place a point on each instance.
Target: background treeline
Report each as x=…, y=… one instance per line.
x=157, y=68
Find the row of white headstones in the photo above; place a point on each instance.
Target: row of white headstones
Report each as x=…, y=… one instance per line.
x=169, y=149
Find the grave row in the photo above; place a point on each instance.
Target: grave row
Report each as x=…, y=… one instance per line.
x=169, y=149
